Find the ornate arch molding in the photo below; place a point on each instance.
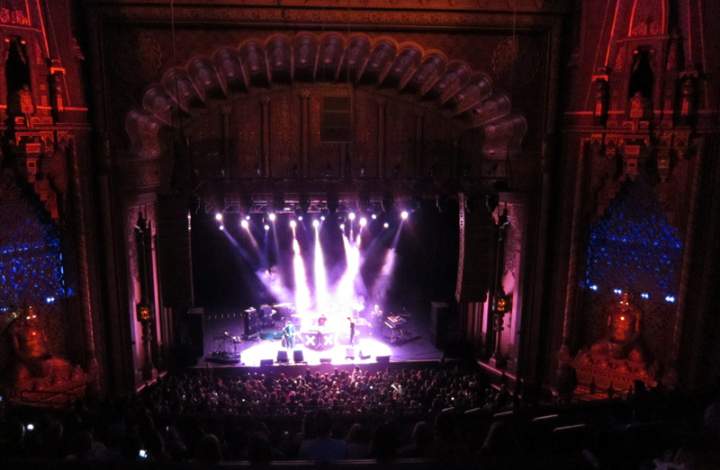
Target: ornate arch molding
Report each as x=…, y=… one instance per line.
x=464, y=94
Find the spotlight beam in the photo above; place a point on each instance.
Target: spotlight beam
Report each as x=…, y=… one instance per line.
x=302, y=293
x=246, y=228
x=320, y=274
x=345, y=293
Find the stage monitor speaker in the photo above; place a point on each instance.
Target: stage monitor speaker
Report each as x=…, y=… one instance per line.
x=325, y=360
x=282, y=357
x=298, y=356
x=442, y=319
x=382, y=359
x=266, y=362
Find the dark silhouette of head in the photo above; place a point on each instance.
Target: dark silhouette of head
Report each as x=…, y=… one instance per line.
x=323, y=424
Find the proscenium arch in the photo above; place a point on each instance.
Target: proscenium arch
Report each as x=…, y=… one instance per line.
x=462, y=93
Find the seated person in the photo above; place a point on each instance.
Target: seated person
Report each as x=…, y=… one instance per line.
x=323, y=448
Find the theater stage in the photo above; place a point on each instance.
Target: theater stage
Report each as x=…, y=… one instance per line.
x=369, y=345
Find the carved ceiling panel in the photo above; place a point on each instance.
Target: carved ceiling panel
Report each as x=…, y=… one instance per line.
x=464, y=95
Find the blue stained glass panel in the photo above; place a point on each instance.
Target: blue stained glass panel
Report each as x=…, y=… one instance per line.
x=633, y=247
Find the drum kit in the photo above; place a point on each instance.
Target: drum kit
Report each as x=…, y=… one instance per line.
x=221, y=355
x=267, y=318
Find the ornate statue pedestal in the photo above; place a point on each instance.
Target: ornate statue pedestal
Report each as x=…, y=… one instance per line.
x=617, y=360
x=39, y=378
x=58, y=384
x=602, y=373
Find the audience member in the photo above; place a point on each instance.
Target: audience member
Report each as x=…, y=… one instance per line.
x=323, y=448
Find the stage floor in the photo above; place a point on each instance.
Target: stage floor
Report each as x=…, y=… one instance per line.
x=365, y=351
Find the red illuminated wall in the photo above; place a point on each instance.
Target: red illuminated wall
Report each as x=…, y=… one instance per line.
x=564, y=68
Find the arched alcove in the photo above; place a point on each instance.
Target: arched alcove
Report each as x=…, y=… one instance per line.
x=426, y=80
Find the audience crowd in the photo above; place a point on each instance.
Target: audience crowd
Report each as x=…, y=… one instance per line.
x=356, y=392
x=446, y=414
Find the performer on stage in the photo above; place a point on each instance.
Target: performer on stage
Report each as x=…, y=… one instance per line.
x=376, y=316
x=288, y=335
x=351, y=318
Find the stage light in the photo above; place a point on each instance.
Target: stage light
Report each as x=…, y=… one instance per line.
x=316, y=223
x=218, y=216
x=670, y=299
x=293, y=224
x=247, y=217
x=386, y=225
x=363, y=221
x=272, y=217
x=245, y=224
x=594, y=287
x=617, y=291
x=342, y=226
x=221, y=227
x=645, y=295
x=374, y=216
x=266, y=227
x=300, y=218
x=404, y=215
x=322, y=217
x=351, y=216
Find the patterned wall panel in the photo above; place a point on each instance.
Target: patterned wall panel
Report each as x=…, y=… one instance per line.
x=207, y=142
x=285, y=134
x=400, y=125
x=245, y=136
x=324, y=158
x=437, y=152
x=366, y=135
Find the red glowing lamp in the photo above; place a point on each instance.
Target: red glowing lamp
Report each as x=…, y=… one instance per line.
x=144, y=313
x=503, y=303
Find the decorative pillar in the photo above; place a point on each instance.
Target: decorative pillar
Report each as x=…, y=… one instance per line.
x=144, y=264
x=141, y=179
x=78, y=192
x=499, y=303
x=704, y=307
x=513, y=276
x=119, y=348
x=574, y=257
x=685, y=272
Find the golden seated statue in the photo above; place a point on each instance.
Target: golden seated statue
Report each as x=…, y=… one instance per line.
x=618, y=359
x=39, y=377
